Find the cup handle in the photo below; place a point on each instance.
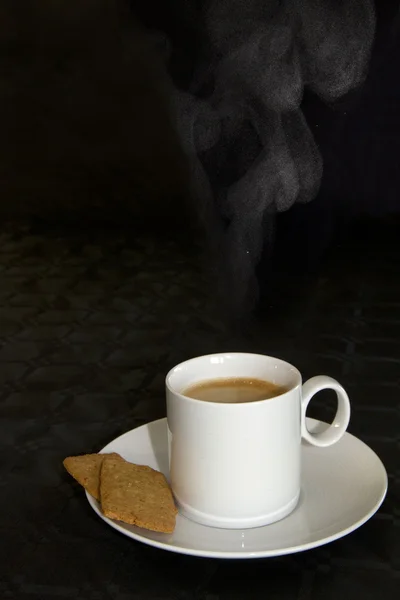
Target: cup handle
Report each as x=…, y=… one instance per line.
x=339, y=425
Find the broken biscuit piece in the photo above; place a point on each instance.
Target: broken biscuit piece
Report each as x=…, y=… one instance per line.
x=136, y=494
x=86, y=470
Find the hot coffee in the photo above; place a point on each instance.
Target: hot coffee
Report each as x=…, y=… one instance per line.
x=238, y=466
x=232, y=390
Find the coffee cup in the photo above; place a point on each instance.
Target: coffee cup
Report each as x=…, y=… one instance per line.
x=234, y=445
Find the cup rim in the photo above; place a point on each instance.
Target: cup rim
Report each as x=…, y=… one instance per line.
x=230, y=404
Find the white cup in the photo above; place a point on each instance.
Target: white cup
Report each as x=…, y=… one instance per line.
x=237, y=465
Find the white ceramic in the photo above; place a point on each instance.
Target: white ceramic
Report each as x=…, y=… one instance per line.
x=238, y=465
x=342, y=487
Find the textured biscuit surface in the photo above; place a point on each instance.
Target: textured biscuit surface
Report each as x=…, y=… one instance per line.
x=137, y=495
x=86, y=470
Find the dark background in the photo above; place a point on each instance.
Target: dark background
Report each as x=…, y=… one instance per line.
x=86, y=135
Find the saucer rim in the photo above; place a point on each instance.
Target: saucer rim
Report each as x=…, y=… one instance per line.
x=165, y=545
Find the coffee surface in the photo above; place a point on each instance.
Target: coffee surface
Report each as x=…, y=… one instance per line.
x=232, y=390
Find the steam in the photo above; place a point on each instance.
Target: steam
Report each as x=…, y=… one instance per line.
x=250, y=150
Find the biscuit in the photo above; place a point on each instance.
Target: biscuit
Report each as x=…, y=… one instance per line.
x=137, y=495
x=86, y=470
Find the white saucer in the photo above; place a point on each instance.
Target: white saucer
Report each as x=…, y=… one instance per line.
x=343, y=486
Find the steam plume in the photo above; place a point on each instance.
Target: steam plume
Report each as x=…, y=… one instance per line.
x=241, y=124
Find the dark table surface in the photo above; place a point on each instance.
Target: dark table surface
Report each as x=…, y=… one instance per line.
x=89, y=325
